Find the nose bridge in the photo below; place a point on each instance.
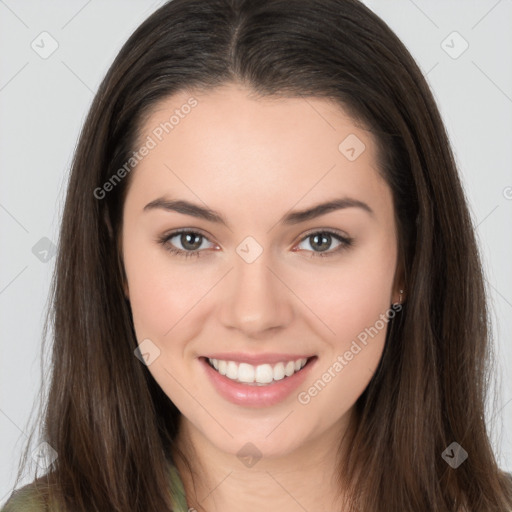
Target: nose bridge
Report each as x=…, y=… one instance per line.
x=256, y=300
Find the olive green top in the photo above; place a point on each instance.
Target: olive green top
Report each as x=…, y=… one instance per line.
x=27, y=500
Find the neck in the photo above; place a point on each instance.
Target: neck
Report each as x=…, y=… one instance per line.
x=304, y=479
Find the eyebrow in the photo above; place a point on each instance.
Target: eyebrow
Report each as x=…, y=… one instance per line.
x=296, y=217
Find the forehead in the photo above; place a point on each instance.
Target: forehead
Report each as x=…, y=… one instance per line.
x=229, y=144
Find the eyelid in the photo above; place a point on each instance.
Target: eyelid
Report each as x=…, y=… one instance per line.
x=331, y=231
x=173, y=232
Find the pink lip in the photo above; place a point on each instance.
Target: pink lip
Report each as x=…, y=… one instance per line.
x=256, y=359
x=252, y=395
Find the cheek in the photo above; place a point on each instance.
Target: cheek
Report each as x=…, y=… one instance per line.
x=161, y=293
x=351, y=295
x=354, y=301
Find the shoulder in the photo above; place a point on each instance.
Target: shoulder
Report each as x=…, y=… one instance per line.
x=28, y=499
x=24, y=499
x=508, y=479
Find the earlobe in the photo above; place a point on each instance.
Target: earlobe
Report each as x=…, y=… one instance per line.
x=399, y=287
x=401, y=297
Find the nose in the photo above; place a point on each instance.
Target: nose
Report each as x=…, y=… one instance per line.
x=256, y=300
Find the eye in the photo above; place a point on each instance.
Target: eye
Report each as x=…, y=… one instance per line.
x=191, y=241
x=322, y=240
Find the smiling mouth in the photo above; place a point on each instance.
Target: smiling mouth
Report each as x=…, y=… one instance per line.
x=258, y=375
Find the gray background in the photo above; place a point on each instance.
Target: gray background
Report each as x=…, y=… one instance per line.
x=43, y=103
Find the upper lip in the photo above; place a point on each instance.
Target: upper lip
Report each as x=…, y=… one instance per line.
x=256, y=359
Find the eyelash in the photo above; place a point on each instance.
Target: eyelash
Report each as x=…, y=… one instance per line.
x=346, y=242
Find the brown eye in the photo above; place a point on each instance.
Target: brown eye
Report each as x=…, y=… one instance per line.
x=190, y=242
x=321, y=241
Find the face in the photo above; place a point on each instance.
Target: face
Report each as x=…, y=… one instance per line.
x=256, y=280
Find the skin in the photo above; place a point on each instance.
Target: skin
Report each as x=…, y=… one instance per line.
x=253, y=160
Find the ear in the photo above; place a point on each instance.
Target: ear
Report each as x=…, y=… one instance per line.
x=399, y=293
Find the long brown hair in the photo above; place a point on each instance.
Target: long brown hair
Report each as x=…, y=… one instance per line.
x=112, y=426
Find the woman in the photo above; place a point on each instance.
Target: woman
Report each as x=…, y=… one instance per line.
x=326, y=347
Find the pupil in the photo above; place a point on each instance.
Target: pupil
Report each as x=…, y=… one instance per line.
x=190, y=236
x=324, y=238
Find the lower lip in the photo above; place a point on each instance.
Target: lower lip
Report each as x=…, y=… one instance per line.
x=253, y=395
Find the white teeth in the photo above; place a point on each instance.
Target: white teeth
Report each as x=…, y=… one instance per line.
x=261, y=374
x=232, y=370
x=278, y=371
x=264, y=374
x=245, y=372
x=290, y=368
